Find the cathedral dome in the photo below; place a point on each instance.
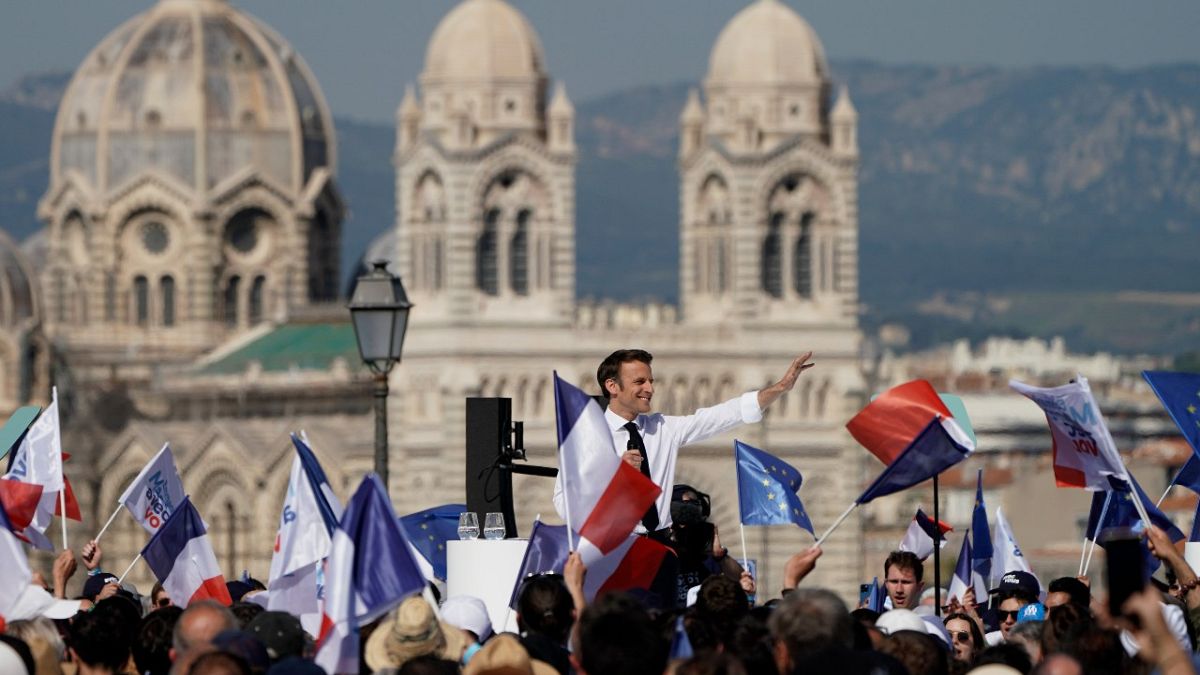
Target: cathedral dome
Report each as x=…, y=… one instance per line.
x=767, y=44
x=196, y=91
x=483, y=41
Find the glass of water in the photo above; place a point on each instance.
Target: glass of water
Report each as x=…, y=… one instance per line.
x=468, y=525
x=493, y=526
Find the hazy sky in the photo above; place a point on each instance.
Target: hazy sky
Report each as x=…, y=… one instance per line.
x=363, y=51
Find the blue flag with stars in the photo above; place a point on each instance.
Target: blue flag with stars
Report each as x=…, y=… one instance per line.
x=767, y=489
x=429, y=530
x=1180, y=395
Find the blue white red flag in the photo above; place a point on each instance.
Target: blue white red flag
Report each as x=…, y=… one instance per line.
x=156, y=491
x=1085, y=455
x=182, y=559
x=632, y=565
x=890, y=423
x=981, y=541
x=921, y=535
x=966, y=576
x=597, y=494
x=359, y=588
x=930, y=453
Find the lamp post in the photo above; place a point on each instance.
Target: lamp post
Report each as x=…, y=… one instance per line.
x=379, y=311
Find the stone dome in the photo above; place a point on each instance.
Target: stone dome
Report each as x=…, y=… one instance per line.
x=197, y=91
x=482, y=41
x=767, y=44
x=18, y=289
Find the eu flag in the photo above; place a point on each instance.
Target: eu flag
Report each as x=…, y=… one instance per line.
x=929, y=454
x=429, y=530
x=767, y=489
x=1180, y=395
x=1189, y=474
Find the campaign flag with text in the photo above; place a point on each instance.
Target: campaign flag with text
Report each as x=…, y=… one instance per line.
x=38, y=460
x=183, y=561
x=767, y=489
x=359, y=588
x=1007, y=556
x=930, y=453
x=1180, y=395
x=156, y=491
x=306, y=524
x=1085, y=455
x=890, y=422
x=602, y=497
x=922, y=534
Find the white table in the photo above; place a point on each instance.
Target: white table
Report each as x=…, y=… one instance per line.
x=487, y=570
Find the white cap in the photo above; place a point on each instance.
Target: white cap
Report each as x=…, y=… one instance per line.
x=468, y=613
x=896, y=620
x=10, y=661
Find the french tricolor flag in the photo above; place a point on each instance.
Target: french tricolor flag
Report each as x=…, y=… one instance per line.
x=600, y=496
x=182, y=559
x=889, y=423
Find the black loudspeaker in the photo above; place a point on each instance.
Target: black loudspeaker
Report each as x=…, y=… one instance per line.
x=494, y=441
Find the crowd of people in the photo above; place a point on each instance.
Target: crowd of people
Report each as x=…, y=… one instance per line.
x=719, y=629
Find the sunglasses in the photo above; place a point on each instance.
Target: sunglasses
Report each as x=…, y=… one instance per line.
x=960, y=635
x=1006, y=614
x=164, y=602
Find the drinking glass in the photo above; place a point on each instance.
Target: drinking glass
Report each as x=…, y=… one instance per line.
x=493, y=526
x=468, y=525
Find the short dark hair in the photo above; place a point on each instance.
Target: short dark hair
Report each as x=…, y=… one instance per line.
x=219, y=662
x=904, y=560
x=616, y=635
x=245, y=612
x=810, y=620
x=544, y=606
x=610, y=367
x=152, y=648
x=919, y=652
x=977, y=640
x=1008, y=654
x=1076, y=589
x=103, y=636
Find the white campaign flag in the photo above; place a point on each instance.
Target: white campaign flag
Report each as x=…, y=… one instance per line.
x=157, y=490
x=1084, y=453
x=1006, y=555
x=38, y=460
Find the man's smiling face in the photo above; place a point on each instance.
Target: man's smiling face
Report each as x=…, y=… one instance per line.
x=631, y=391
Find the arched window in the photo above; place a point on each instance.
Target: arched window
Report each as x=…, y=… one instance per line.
x=485, y=255
x=168, y=300
x=231, y=300
x=256, y=299
x=519, y=253
x=772, y=260
x=141, y=299
x=802, y=258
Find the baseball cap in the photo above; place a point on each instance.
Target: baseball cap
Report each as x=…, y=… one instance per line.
x=1034, y=611
x=96, y=583
x=280, y=632
x=1020, y=582
x=896, y=620
x=468, y=613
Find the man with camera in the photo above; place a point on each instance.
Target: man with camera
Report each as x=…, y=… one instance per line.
x=698, y=545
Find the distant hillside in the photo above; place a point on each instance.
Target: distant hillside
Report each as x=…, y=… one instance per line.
x=1021, y=199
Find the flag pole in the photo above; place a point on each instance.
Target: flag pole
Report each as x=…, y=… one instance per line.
x=1085, y=563
x=62, y=474
x=62, y=507
x=1137, y=503
x=745, y=553
x=937, y=554
x=1164, y=496
x=105, y=528
x=845, y=514
x=128, y=569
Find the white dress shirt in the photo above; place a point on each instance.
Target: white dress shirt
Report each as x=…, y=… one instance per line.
x=663, y=435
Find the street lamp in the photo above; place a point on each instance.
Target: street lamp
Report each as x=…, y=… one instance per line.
x=379, y=311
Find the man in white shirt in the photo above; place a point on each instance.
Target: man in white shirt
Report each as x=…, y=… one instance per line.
x=650, y=442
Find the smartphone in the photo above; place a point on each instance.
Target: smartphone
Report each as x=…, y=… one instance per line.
x=864, y=593
x=1125, y=568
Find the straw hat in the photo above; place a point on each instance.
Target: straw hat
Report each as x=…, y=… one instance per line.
x=504, y=655
x=412, y=631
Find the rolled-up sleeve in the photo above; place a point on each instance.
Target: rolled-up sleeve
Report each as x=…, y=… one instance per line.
x=751, y=413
